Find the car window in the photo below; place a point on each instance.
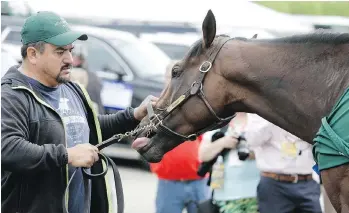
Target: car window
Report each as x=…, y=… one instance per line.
x=144, y=57
x=100, y=57
x=174, y=51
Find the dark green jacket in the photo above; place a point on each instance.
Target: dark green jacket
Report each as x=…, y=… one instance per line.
x=33, y=148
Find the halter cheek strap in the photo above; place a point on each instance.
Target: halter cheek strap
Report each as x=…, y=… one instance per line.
x=195, y=89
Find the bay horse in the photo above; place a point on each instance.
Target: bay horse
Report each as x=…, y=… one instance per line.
x=293, y=82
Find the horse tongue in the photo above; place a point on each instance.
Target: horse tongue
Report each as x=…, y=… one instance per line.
x=139, y=143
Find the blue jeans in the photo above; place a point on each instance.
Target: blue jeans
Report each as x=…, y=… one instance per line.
x=174, y=196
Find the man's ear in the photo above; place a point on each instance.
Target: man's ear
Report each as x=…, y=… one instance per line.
x=32, y=55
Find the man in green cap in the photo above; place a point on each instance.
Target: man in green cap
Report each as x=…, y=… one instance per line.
x=48, y=126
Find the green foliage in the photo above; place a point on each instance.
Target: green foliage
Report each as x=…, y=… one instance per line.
x=333, y=8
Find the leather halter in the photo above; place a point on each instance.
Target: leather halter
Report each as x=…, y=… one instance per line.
x=195, y=89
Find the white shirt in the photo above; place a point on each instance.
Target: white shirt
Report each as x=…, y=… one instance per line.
x=277, y=150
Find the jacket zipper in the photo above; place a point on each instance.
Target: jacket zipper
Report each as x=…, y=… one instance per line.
x=65, y=137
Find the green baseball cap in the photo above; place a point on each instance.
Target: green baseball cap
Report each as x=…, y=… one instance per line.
x=50, y=28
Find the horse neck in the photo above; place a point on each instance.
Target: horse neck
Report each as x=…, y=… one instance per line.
x=290, y=85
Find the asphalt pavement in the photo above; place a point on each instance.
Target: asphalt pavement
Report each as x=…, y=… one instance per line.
x=139, y=187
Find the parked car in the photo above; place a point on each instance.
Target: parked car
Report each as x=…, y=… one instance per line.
x=115, y=56
x=130, y=69
x=175, y=45
x=140, y=27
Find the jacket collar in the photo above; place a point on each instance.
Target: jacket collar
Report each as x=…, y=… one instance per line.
x=15, y=78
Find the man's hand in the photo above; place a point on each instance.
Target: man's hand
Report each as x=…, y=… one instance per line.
x=82, y=155
x=141, y=111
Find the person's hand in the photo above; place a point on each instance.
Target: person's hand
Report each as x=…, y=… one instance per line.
x=229, y=142
x=141, y=111
x=83, y=155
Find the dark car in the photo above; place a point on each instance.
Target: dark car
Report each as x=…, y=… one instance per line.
x=116, y=56
x=130, y=70
x=120, y=57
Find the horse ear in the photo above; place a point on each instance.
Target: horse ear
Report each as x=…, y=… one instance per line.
x=209, y=29
x=255, y=36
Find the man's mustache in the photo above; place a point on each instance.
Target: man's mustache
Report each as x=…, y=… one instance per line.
x=67, y=66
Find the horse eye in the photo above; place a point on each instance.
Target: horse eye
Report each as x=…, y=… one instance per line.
x=176, y=72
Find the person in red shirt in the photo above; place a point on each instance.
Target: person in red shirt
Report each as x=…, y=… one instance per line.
x=179, y=186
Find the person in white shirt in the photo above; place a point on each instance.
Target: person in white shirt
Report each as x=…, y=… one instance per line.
x=285, y=162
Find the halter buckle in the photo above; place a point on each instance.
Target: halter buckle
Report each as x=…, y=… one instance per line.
x=295, y=178
x=195, y=87
x=206, y=66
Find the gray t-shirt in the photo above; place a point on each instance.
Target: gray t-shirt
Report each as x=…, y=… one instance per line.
x=70, y=107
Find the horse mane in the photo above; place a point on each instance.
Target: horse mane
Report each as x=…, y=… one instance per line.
x=317, y=37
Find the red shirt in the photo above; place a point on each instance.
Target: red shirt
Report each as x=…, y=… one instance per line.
x=181, y=163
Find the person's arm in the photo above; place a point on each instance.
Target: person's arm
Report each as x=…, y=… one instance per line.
x=257, y=131
x=125, y=120
x=17, y=153
x=209, y=150
x=119, y=122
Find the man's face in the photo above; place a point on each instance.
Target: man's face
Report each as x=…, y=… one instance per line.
x=56, y=63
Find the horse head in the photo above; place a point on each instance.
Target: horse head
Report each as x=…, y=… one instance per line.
x=190, y=104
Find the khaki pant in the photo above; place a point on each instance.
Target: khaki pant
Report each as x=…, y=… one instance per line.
x=328, y=208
